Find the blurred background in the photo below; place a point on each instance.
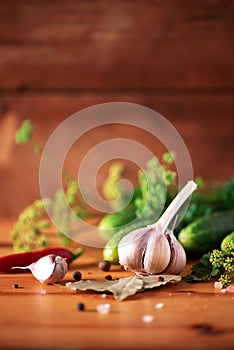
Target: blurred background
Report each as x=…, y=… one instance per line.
x=58, y=57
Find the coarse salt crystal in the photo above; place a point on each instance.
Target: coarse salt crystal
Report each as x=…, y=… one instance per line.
x=218, y=285
x=147, y=318
x=103, y=308
x=159, y=306
x=68, y=284
x=43, y=292
x=230, y=289
x=223, y=290
x=104, y=296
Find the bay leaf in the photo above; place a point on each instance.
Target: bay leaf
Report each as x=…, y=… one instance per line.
x=123, y=287
x=126, y=287
x=98, y=286
x=158, y=280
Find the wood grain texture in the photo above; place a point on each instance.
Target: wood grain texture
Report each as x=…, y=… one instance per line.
x=205, y=123
x=86, y=44
x=194, y=316
x=59, y=57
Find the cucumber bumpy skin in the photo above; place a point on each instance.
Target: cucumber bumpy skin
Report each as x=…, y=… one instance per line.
x=110, y=251
x=207, y=232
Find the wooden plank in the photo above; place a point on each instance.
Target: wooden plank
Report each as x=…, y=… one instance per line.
x=194, y=316
x=205, y=122
x=157, y=44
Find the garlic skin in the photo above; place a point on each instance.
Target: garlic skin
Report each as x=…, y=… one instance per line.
x=157, y=254
x=178, y=257
x=130, y=255
x=48, y=269
x=154, y=249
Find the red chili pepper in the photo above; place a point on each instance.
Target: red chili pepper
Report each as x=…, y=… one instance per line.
x=25, y=259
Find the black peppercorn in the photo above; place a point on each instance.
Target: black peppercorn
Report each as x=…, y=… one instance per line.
x=104, y=265
x=15, y=285
x=77, y=275
x=108, y=277
x=81, y=306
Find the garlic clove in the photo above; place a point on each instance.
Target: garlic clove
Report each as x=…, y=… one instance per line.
x=131, y=249
x=48, y=269
x=43, y=268
x=59, y=271
x=178, y=256
x=157, y=254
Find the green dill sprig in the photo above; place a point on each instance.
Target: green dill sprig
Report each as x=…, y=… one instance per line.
x=29, y=232
x=24, y=135
x=109, y=189
x=153, y=183
x=224, y=261
x=217, y=263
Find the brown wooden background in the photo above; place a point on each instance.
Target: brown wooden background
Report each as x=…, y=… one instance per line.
x=57, y=57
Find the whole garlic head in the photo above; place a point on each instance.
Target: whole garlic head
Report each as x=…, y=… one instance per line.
x=154, y=249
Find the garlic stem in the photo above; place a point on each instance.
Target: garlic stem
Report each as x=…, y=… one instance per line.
x=175, y=205
x=21, y=267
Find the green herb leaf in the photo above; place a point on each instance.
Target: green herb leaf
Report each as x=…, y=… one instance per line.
x=27, y=233
x=24, y=133
x=154, y=183
x=109, y=188
x=152, y=189
x=217, y=263
x=203, y=270
x=169, y=157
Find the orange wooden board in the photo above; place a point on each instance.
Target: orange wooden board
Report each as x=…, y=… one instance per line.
x=194, y=316
x=101, y=44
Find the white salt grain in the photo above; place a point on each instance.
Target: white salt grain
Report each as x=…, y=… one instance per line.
x=43, y=291
x=103, y=296
x=103, y=308
x=218, y=285
x=147, y=318
x=159, y=306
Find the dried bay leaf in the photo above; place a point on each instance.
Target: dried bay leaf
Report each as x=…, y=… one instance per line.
x=124, y=287
x=98, y=286
x=158, y=280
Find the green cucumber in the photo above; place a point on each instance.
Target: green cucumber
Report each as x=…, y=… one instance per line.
x=110, y=223
x=110, y=251
x=207, y=232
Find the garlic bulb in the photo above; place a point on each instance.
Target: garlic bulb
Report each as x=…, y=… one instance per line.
x=154, y=249
x=48, y=269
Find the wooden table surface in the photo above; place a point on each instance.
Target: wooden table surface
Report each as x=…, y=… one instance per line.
x=194, y=316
